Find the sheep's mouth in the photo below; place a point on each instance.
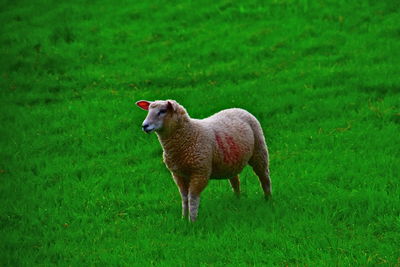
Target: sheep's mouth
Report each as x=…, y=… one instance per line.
x=148, y=131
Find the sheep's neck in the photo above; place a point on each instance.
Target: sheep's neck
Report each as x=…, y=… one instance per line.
x=176, y=141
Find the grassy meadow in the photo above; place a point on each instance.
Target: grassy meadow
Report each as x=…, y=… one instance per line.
x=81, y=184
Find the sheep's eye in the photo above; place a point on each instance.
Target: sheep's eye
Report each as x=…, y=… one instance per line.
x=162, y=112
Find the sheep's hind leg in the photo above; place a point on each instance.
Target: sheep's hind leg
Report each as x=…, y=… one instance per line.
x=260, y=167
x=184, y=190
x=196, y=186
x=235, y=183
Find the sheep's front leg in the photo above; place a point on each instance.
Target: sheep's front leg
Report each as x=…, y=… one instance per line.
x=196, y=186
x=183, y=186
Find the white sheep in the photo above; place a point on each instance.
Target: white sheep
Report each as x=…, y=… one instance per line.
x=217, y=147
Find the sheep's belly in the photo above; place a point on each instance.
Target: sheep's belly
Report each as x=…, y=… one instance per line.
x=224, y=171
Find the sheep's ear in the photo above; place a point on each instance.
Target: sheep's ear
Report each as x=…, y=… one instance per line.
x=171, y=105
x=143, y=104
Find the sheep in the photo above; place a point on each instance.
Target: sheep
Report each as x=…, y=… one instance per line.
x=218, y=147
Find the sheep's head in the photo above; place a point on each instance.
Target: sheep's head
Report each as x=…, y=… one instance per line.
x=162, y=114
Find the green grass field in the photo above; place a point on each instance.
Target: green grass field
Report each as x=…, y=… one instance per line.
x=81, y=184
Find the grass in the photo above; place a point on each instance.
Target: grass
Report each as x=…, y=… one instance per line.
x=80, y=184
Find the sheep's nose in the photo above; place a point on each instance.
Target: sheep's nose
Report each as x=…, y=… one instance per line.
x=145, y=128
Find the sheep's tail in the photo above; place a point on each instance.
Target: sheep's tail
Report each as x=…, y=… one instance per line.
x=260, y=158
x=259, y=139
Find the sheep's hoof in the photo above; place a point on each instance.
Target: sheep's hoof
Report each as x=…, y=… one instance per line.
x=268, y=197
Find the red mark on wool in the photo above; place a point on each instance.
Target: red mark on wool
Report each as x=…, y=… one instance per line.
x=219, y=142
x=230, y=150
x=234, y=152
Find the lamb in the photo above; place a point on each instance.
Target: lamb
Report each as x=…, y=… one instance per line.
x=218, y=147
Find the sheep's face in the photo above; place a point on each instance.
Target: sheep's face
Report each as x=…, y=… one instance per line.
x=159, y=114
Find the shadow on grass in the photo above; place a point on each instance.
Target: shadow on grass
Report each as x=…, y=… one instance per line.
x=228, y=213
